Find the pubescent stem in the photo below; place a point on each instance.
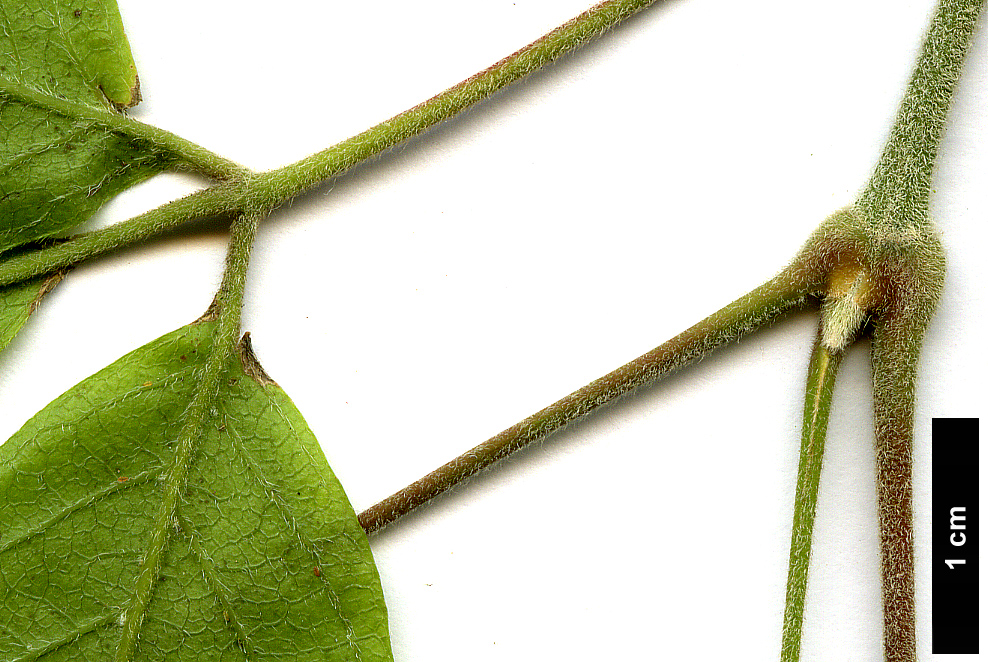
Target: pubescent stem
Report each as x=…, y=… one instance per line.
x=230, y=297
x=895, y=351
x=898, y=192
x=824, y=365
x=229, y=302
x=275, y=188
x=905, y=259
x=571, y=35
x=789, y=290
x=193, y=156
x=219, y=199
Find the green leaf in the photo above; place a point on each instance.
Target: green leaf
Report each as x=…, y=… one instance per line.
x=18, y=302
x=57, y=167
x=262, y=559
x=74, y=50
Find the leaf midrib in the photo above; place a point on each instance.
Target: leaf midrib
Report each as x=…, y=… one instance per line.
x=173, y=488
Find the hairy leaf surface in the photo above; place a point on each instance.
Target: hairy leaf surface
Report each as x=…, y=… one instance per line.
x=55, y=168
x=264, y=557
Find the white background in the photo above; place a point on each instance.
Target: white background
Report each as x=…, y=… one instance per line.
x=427, y=300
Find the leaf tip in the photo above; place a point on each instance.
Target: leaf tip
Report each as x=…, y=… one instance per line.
x=122, y=97
x=47, y=286
x=212, y=313
x=135, y=92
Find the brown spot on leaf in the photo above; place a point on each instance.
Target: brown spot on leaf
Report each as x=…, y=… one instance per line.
x=77, y=13
x=146, y=384
x=251, y=366
x=122, y=479
x=316, y=571
x=182, y=357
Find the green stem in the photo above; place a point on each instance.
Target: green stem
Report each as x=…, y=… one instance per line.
x=786, y=291
x=230, y=301
x=895, y=352
x=824, y=365
x=899, y=190
x=198, y=158
x=230, y=298
x=224, y=198
x=567, y=37
x=907, y=260
x=274, y=188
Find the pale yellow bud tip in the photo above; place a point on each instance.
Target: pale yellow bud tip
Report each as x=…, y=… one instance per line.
x=845, y=308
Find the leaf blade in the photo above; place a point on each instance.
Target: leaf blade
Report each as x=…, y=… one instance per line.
x=75, y=51
x=55, y=169
x=262, y=512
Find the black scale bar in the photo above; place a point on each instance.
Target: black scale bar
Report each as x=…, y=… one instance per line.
x=956, y=535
